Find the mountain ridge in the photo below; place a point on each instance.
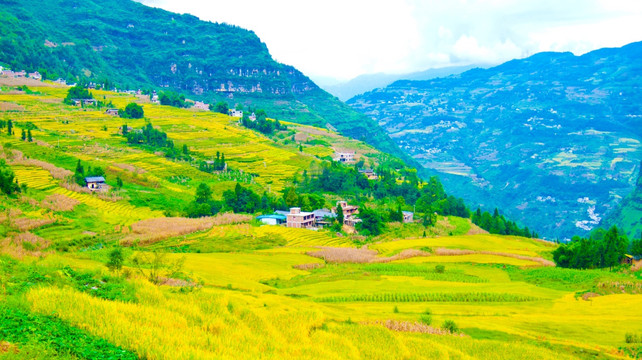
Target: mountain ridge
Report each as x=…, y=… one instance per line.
x=126, y=44
x=535, y=136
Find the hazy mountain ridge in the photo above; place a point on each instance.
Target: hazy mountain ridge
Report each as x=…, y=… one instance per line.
x=367, y=82
x=554, y=139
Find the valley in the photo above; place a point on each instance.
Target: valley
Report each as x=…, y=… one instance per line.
x=540, y=138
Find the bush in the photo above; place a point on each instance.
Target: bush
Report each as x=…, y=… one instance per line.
x=440, y=269
x=395, y=310
x=426, y=317
x=630, y=338
x=450, y=326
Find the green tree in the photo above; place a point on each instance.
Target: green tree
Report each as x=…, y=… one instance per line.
x=340, y=216
x=23, y=135
x=29, y=137
x=7, y=177
x=221, y=107
x=9, y=127
x=119, y=182
x=116, y=259
x=615, y=245
x=133, y=111
x=203, y=194
x=371, y=223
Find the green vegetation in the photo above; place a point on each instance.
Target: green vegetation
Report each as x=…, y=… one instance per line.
x=8, y=182
x=497, y=224
x=602, y=249
x=132, y=111
x=78, y=92
x=25, y=328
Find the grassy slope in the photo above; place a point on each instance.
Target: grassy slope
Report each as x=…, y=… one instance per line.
x=254, y=303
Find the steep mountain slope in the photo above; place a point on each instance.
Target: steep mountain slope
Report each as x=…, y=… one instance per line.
x=129, y=45
x=368, y=82
x=553, y=139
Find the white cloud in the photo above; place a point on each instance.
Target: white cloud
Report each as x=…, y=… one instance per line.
x=346, y=38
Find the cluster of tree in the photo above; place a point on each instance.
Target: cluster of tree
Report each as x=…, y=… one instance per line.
x=80, y=173
x=220, y=107
x=8, y=124
x=154, y=138
x=307, y=202
x=132, y=111
x=239, y=200
x=26, y=135
x=498, y=224
x=203, y=204
x=78, y=92
x=172, y=99
x=604, y=248
x=215, y=165
x=428, y=198
x=262, y=124
x=8, y=182
x=371, y=222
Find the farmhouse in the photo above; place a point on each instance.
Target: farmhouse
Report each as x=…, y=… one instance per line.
x=371, y=175
x=35, y=75
x=298, y=219
x=408, y=216
x=323, y=217
x=345, y=157
x=274, y=219
x=252, y=117
x=236, y=113
x=95, y=183
x=112, y=112
x=349, y=212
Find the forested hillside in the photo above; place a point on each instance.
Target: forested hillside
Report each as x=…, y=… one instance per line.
x=124, y=44
x=553, y=139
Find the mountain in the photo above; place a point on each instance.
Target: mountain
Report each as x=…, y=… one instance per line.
x=553, y=139
x=363, y=83
x=126, y=44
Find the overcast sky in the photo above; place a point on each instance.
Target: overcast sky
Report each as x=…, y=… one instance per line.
x=342, y=39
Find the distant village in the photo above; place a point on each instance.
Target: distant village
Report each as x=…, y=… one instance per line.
x=295, y=218
x=319, y=218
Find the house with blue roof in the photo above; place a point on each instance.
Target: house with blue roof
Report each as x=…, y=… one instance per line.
x=95, y=183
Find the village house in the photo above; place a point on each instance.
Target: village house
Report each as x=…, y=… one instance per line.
x=349, y=213
x=35, y=75
x=112, y=112
x=79, y=102
x=274, y=219
x=371, y=175
x=324, y=217
x=345, y=157
x=298, y=219
x=631, y=260
x=95, y=183
x=61, y=81
x=252, y=117
x=235, y=113
x=348, y=210
x=201, y=106
x=408, y=216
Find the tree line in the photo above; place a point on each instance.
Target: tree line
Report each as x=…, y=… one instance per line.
x=603, y=248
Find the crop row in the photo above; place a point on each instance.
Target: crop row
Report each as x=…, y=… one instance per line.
x=430, y=297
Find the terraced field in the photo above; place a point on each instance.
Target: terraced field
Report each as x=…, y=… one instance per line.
x=240, y=290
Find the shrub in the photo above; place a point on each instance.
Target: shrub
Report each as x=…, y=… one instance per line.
x=630, y=338
x=395, y=310
x=426, y=317
x=440, y=269
x=450, y=326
